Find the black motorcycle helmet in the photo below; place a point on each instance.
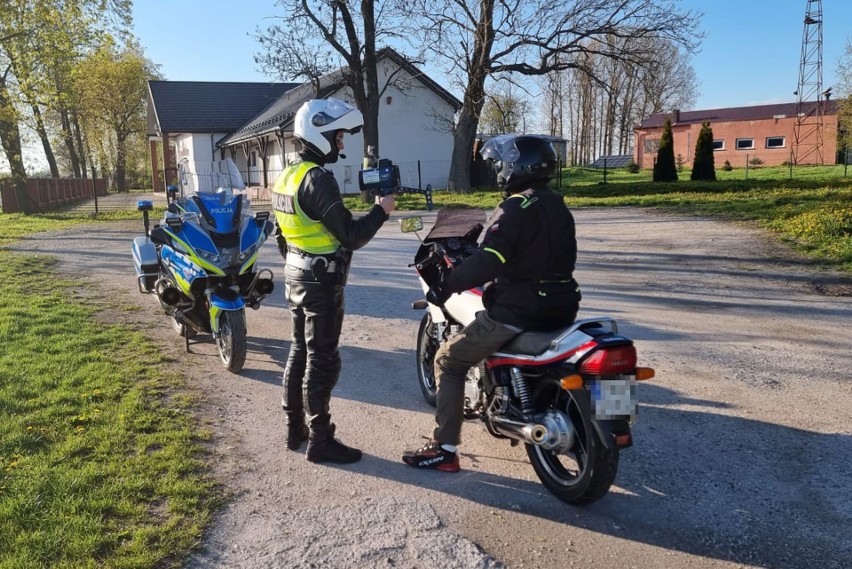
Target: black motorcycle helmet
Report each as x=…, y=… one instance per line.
x=520, y=160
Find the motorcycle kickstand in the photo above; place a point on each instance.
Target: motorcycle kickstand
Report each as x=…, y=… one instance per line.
x=186, y=341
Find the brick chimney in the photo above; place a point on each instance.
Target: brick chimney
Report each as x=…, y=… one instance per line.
x=676, y=116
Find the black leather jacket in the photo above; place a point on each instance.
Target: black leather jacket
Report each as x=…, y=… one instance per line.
x=528, y=255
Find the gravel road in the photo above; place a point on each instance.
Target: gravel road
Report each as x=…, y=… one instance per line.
x=742, y=447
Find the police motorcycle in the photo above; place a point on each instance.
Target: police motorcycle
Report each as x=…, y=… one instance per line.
x=200, y=259
x=569, y=395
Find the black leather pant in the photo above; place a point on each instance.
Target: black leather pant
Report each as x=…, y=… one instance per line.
x=313, y=365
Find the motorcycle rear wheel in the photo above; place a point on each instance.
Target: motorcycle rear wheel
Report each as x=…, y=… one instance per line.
x=587, y=471
x=231, y=340
x=427, y=345
x=182, y=329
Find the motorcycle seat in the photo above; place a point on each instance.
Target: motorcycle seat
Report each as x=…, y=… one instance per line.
x=530, y=343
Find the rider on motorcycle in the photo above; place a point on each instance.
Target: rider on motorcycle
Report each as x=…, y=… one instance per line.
x=528, y=255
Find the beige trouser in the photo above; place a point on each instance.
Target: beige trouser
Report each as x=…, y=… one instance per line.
x=481, y=338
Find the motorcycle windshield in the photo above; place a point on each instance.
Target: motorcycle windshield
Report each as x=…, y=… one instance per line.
x=215, y=192
x=210, y=178
x=456, y=221
x=222, y=207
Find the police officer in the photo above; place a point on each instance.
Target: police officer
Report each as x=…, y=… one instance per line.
x=320, y=235
x=528, y=255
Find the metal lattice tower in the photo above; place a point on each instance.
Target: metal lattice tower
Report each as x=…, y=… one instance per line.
x=808, y=130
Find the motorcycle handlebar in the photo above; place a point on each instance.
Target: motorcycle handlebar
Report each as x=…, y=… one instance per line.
x=437, y=256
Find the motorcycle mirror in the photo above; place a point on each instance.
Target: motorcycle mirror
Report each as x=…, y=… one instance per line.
x=261, y=217
x=411, y=224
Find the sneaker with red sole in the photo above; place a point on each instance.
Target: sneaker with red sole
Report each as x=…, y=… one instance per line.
x=434, y=456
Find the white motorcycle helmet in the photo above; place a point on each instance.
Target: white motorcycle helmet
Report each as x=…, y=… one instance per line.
x=318, y=120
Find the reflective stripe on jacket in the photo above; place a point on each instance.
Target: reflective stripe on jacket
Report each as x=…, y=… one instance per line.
x=301, y=231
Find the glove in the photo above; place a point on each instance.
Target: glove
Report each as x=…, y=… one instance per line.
x=282, y=244
x=437, y=295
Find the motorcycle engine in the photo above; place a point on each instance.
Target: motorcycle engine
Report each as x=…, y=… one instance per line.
x=473, y=395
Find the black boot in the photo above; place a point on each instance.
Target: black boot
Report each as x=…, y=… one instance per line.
x=297, y=431
x=323, y=447
x=296, y=435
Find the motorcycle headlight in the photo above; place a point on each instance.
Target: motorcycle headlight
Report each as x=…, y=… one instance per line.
x=245, y=255
x=209, y=257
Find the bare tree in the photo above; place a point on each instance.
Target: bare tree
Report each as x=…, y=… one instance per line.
x=478, y=39
x=505, y=110
x=621, y=96
x=668, y=81
x=289, y=54
x=315, y=35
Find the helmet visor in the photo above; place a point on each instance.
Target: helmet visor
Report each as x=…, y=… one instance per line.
x=501, y=149
x=334, y=109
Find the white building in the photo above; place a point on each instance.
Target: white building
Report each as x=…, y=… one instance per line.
x=415, y=120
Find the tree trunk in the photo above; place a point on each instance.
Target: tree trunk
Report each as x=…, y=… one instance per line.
x=78, y=138
x=120, y=161
x=45, y=142
x=370, y=82
x=463, y=139
x=10, y=138
x=474, y=97
x=68, y=139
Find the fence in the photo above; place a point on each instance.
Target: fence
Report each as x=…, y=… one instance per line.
x=413, y=174
x=48, y=194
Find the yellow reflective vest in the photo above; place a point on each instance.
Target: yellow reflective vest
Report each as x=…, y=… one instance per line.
x=300, y=230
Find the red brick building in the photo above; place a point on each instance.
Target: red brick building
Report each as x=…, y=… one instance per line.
x=766, y=132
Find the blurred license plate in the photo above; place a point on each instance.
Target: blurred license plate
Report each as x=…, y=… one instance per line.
x=614, y=398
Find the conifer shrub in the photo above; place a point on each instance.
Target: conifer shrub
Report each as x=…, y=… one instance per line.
x=704, y=165
x=664, y=168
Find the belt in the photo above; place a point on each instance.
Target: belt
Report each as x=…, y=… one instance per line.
x=306, y=262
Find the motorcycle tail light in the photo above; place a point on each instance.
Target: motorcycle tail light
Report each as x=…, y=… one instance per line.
x=621, y=359
x=624, y=440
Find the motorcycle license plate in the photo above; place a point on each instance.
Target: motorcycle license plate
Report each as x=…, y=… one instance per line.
x=614, y=398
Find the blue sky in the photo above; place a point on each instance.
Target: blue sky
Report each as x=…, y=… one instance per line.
x=750, y=56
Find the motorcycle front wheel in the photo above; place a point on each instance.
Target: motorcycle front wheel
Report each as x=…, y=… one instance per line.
x=585, y=472
x=427, y=345
x=231, y=340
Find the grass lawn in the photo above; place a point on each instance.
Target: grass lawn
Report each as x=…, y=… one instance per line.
x=812, y=212
x=101, y=458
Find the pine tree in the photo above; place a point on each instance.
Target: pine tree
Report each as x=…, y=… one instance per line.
x=704, y=165
x=665, y=169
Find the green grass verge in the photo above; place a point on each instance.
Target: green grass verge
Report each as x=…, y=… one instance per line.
x=593, y=176
x=14, y=226
x=813, y=215
x=101, y=461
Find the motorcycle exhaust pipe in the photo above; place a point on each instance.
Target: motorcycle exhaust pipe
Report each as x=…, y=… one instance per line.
x=531, y=433
x=170, y=296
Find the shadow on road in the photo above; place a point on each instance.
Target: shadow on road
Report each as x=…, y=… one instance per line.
x=705, y=505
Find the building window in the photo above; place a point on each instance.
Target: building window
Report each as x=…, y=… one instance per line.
x=719, y=144
x=775, y=142
x=652, y=144
x=745, y=143
x=253, y=161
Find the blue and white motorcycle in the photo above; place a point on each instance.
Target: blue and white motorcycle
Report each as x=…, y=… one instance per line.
x=200, y=259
